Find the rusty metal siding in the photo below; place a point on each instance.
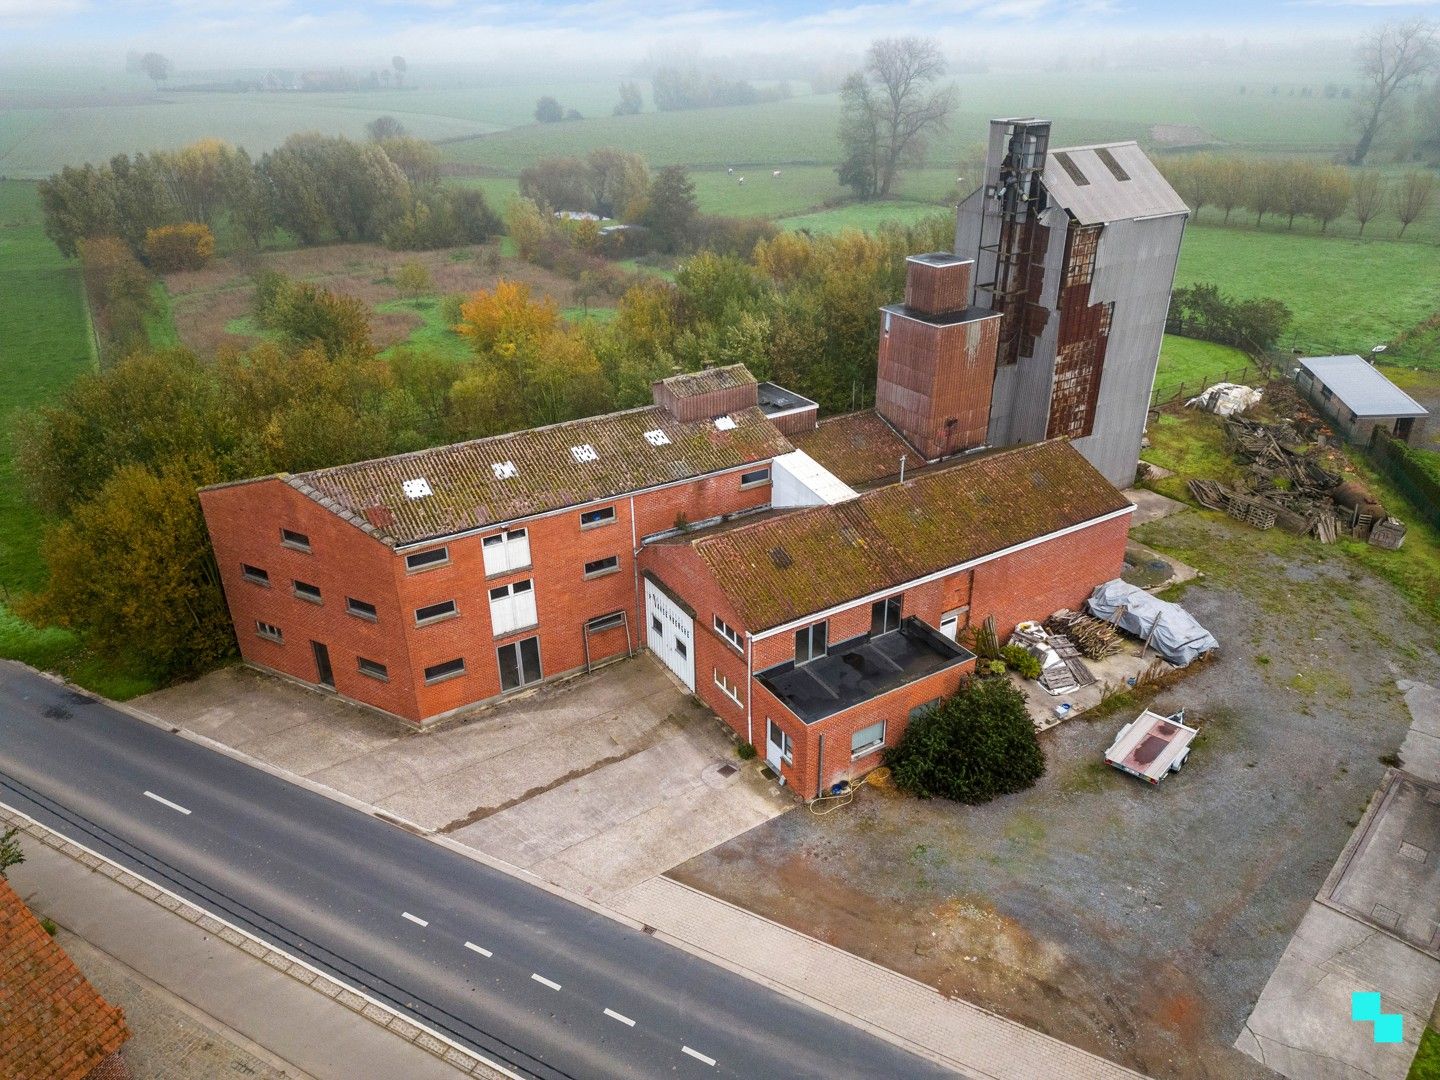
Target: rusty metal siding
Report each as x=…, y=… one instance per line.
x=936, y=290
x=1080, y=346
x=933, y=382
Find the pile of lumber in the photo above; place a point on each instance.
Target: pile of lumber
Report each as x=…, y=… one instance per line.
x=1093, y=638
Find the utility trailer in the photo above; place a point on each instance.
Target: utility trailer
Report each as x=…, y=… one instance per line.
x=1152, y=746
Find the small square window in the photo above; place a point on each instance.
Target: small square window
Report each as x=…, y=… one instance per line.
x=724, y=423
x=255, y=574
x=755, y=478
x=656, y=624
x=305, y=591
x=448, y=670
x=416, y=489
x=584, y=452
x=657, y=438
x=292, y=539
x=270, y=632
x=434, y=612
x=599, y=567
x=867, y=740
x=424, y=560
x=374, y=670
x=504, y=470
x=602, y=515
x=360, y=609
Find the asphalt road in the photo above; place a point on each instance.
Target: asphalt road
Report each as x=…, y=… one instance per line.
x=537, y=984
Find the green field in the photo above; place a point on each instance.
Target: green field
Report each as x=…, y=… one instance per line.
x=1188, y=365
x=1346, y=295
x=433, y=334
x=866, y=216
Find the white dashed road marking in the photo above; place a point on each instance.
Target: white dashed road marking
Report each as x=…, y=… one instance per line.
x=166, y=802
x=414, y=918
x=617, y=1016
x=476, y=948
x=698, y=1056
x=545, y=982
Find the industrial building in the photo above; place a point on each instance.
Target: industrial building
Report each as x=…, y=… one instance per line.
x=1076, y=250
x=1357, y=399
x=807, y=580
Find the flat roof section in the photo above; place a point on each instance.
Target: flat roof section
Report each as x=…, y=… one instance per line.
x=863, y=668
x=1389, y=874
x=972, y=313
x=775, y=400
x=1361, y=388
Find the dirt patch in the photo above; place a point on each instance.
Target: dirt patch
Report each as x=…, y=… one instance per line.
x=1139, y=923
x=207, y=303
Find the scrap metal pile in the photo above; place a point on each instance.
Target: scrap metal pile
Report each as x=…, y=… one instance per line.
x=1286, y=484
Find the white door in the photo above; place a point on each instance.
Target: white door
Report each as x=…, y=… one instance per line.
x=670, y=633
x=777, y=745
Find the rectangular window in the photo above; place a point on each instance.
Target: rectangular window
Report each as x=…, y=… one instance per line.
x=371, y=668
x=270, y=632
x=922, y=709
x=448, y=670
x=810, y=643
x=600, y=567
x=424, y=560
x=729, y=633
x=512, y=607
x=506, y=551
x=950, y=623
x=292, y=539
x=606, y=622
x=656, y=624
x=885, y=616
x=755, y=478
x=434, y=612
x=305, y=591
x=255, y=574
x=867, y=740
x=360, y=609
x=519, y=663
x=725, y=683
x=603, y=515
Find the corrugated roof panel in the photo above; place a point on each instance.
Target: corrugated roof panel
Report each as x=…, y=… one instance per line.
x=1101, y=195
x=1361, y=388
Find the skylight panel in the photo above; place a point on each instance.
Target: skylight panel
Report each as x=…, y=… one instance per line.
x=657, y=438
x=584, y=452
x=724, y=423
x=416, y=489
x=504, y=470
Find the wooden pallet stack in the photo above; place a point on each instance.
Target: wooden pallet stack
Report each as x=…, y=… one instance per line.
x=1094, y=638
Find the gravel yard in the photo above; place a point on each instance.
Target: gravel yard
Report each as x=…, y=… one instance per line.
x=1137, y=922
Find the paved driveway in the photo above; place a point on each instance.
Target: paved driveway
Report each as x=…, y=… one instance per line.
x=596, y=783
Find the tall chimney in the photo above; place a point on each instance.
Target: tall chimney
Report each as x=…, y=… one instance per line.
x=937, y=358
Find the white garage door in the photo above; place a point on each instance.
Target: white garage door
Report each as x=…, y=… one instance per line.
x=670, y=633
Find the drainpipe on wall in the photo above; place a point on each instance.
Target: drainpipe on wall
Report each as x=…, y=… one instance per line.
x=820, y=765
x=749, y=688
x=635, y=573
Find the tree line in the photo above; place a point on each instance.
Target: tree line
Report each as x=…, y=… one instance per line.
x=316, y=188
x=1298, y=188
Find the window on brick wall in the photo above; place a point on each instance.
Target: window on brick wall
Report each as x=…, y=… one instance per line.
x=726, y=684
x=254, y=574
x=512, y=607
x=361, y=609
x=435, y=612
x=867, y=740
x=729, y=633
x=780, y=744
x=425, y=560
x=506, y=551
x=885, y=616
x=810, y=643
x=606, y=622
x=270, y=632
x=292, y=539
x=447, y=670
x=601, y=515
x=755, y=478
x=371, y=668
x=600, y=567
x=305, y=591
x=519, y=663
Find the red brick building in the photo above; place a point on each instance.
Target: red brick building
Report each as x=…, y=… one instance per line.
x=806, y=579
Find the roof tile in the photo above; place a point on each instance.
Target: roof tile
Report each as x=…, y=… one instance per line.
x=860, y=448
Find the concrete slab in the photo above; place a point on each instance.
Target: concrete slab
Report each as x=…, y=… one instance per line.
x=1301, y=1026
x=1389, y=873
x=1151, y=505
x=1420, y=752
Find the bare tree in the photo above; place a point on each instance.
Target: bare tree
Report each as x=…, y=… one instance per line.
x=1330, y=194
x=1413, y=197
x=1369, y=196
x=398, y=63
x=1391, y=58
x=890, y=110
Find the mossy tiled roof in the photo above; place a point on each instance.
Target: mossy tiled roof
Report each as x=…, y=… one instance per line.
x=786, y=567
x=860, y=448
x=53, y=1023
x=694, y=383
x=467, y=492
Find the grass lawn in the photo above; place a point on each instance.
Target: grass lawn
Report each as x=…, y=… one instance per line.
x=1190, y=365
x=1346, y=295
x=863, y=215
x=433, y=333
x=45, y=342
x=1426, y=1065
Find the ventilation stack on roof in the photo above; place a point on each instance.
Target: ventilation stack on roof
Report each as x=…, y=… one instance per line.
x=705, y=395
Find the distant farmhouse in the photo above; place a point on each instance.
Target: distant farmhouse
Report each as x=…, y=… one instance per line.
x=1358, y=399
x=807, y=579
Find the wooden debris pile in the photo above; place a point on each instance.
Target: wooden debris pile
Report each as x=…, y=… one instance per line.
x=1287, y=484
x=1093, y=638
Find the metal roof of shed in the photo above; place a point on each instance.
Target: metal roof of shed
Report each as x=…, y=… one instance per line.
x=1361, y=388
x=1110, y=182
